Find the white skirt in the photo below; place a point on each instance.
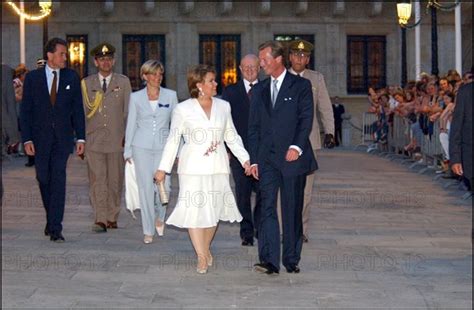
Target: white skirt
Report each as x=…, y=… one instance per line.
x=203, y=201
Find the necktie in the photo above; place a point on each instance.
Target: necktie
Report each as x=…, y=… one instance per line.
x=52, y=95
x=249, y=94
x=275, y=91
x=104, y=85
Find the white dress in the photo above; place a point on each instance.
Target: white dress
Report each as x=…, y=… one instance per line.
x=205, y=196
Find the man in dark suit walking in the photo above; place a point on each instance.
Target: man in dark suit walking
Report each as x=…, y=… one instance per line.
x=460, y=134
x=281, y=118
x=51, y=112
x=239, y=95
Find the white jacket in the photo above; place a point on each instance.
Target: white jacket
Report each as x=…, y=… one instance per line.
x=203, y=152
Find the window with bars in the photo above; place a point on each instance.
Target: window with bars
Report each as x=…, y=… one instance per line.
x=286, y=39
x=366, y=63
x=77, y=53
x=223, y=53
x=136, y=50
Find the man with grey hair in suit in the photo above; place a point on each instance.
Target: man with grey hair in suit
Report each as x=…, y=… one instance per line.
x=300, y=52
x=106, y=96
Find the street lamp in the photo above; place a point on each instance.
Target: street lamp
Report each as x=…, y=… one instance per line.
x=404, y=14
x=45, y=11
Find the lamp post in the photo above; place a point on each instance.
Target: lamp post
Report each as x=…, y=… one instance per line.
x=434, y=42
x=404, y=13
x=45, y=6
x=44, y=12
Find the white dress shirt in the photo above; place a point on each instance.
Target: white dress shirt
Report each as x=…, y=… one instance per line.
x=50, y=77
x=107, y=80
x=279, y=79
x=295, y=73
x=247, y=85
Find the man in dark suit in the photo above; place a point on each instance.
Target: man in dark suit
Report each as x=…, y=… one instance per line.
x=281, y=118
x=51, y=112
x=460, y=134
x=338, y=110
x=239, y=95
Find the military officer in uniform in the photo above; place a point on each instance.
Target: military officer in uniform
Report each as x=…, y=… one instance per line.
x=300, y=53
x=106, y=96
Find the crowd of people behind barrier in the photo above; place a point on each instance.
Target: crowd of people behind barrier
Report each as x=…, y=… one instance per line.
x=415, y=120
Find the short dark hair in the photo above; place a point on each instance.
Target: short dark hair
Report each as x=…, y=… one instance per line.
x=50, y=46
x=276, y=46
x=196, y=75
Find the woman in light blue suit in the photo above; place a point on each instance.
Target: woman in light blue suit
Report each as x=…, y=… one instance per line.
x=148, y=127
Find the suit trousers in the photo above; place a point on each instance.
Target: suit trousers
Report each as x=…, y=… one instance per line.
x=50, y=166
x=308, y=192
x=244, y=186
x=292, y=192
x=106, y=174
x=146, y=162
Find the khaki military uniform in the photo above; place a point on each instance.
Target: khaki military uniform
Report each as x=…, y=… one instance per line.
x=105, y=132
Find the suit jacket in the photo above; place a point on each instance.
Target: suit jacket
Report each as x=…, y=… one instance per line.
x=40, y=121
x=273, y=130
x=460, y=133
x=105, y=130
x=239, y=101
x=203, y=152
x=146, y=128
x=9, y=118
x=322, y=107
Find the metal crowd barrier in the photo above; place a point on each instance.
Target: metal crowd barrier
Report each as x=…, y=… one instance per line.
x=367, y=136
x=399, y=134
x=431, y=146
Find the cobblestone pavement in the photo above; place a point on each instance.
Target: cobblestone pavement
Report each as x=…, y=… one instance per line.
x=381, y=236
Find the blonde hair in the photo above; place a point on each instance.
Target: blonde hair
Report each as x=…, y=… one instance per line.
x=151, y=67
x=196, y=75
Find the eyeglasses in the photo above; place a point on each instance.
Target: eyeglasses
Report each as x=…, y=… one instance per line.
x=249, y=67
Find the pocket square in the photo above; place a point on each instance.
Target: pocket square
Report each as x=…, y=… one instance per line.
x=163, y=105
x=68, y=87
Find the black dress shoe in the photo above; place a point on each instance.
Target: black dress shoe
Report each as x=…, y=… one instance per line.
x=46, y=232
x=28, y=164
x=57, y=237
x=305, y=239
x=99, y=227
x=266, y=268
x=292, y=269
x=247, y=242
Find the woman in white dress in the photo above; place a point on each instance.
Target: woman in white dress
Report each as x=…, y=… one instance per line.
x=149, y=117
x=205, y=196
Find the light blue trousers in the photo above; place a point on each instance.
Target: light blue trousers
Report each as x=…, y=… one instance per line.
x=146, y=162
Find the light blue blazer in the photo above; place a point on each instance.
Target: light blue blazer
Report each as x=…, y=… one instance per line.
x=146, y=128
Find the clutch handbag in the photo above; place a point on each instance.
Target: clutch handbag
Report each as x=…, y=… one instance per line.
x=162, y=192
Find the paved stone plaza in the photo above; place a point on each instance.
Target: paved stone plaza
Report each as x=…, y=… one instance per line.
x=382, y=236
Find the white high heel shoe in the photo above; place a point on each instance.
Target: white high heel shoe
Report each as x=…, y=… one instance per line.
x=159, y=228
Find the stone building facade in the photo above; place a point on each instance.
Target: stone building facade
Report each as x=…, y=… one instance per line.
x=181, y=28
